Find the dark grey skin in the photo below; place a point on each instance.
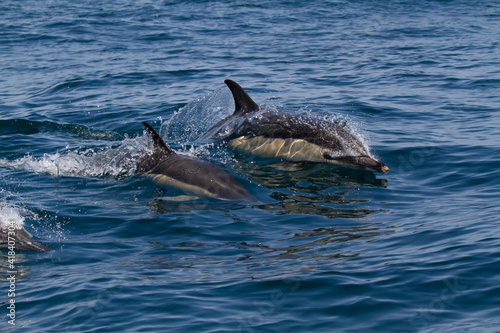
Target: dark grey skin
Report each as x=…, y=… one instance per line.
x=22, y=241
x=294, y=138
x=190, y=174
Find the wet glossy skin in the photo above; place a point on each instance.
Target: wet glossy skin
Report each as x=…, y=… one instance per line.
x=290, y=137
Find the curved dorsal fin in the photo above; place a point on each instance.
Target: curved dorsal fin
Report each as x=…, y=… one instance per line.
x=159, y=144
x=244, y=104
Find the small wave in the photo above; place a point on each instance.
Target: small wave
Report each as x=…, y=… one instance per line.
x=28, y=127
x=62, y=86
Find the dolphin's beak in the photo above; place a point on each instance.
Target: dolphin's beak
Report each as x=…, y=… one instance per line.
x=371, y=163
x=360, y=161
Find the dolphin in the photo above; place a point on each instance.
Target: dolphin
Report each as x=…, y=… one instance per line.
x=189, y=174
x=20, y=239
x=294, y=138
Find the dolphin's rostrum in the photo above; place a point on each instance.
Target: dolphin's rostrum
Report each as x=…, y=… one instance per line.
x=189, y=174
x=294, y=138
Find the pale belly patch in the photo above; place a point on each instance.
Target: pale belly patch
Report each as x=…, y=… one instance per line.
x=289, y=149
x=169, y=181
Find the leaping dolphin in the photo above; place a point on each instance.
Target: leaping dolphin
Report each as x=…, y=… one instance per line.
x=189, y=174
x=294, y=138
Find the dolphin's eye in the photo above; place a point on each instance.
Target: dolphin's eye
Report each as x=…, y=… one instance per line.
x=327, y=156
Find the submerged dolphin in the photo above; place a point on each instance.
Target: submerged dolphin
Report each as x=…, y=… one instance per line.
x=20, y=239
x=294, y=138
x=189, y=174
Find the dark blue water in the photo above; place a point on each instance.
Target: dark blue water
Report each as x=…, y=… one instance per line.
x=331, y=248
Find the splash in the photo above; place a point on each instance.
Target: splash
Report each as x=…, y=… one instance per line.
x=196, y=117
x=12, y=232
x=12, y=225
x=112, y=161
x=13, y=215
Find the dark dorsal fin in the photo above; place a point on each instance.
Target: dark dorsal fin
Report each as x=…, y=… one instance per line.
x=244, y=104
x=157, y=140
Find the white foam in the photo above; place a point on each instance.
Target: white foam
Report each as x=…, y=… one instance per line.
x=112, y=161
x=12, y=215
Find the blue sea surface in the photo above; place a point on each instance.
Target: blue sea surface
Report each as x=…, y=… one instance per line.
x=328, y=248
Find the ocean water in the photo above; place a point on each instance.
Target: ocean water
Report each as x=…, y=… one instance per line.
x=329, y=249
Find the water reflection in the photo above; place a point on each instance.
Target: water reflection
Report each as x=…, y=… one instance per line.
x=20, y=267
x=296, y=204
x=319, y=244
x=298, y=251
x=310, y=178
x=161, y=206
x=309, y=190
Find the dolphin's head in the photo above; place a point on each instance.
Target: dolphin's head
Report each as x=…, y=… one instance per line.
x=342, y=146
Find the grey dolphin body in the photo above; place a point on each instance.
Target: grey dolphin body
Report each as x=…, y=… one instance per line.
x=189, y=174
x=290, y=137
x=21, y=240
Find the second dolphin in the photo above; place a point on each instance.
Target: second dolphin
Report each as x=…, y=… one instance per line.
x=189, y=174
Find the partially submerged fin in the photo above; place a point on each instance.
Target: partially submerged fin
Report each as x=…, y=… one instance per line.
x=159, y=144
x=244, y=104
